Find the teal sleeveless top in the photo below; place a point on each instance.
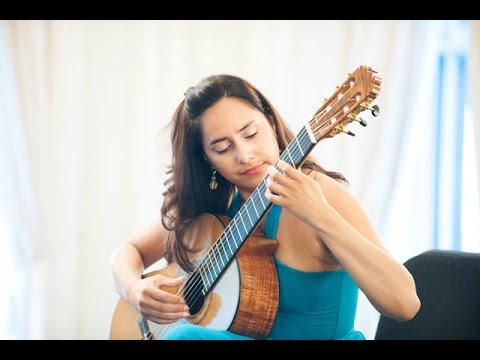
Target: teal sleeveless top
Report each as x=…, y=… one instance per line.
x=312, y=305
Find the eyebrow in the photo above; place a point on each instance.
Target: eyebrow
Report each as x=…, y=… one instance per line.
x=213, y=142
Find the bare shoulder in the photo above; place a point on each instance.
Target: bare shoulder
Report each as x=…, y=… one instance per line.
x=342, y=200
x=337, y=193
x=334, y=190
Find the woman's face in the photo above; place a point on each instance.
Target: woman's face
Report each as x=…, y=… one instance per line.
x=239, y=141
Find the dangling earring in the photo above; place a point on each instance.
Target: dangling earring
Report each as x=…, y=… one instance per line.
x=213, y=181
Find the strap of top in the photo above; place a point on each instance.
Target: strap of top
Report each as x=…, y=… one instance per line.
x=273, y=216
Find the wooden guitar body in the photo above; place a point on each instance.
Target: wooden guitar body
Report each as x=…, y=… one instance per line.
x=244, y=300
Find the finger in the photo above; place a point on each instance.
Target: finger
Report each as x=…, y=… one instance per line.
x=287, y=169
x=165, y=297
x=160, y=320
x=274, y=187
x=161, y=281
x=276, y=175
x=166, y=316
x=170, y=281
x=274, y=198
x=169, y=308
x=156, y=308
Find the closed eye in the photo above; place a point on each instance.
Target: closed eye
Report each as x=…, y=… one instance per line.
x=224, y=150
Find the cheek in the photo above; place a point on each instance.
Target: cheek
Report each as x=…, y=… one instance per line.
x=223, y=164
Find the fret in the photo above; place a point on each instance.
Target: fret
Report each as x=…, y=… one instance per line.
x=215, y=261
x=221, y=258
x=228, y=242
x=229, y=227
x=299, y=146
x=291, y=160
x=261, y=200
x=223, y=253
x=255, y=208
x=209, y=274
x=249, y=218
x=241, y=218
x=238, y=230
x=263, y=187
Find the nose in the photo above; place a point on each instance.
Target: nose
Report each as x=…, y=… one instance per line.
x=244, y=154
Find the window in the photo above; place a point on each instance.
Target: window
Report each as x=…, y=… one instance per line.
x=455, y=203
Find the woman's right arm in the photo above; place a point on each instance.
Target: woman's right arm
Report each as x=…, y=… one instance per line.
x=129, y=261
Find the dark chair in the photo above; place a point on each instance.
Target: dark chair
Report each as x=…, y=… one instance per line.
x=448, y=285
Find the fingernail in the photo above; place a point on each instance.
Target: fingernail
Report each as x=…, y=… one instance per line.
x=186, y=308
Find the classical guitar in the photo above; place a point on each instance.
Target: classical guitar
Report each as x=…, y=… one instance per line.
x=234, y=283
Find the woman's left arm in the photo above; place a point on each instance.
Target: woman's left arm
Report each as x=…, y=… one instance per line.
x=344, y=227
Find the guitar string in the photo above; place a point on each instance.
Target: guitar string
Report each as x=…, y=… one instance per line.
x=296, y=151
x=224, y=237
x=220, y=245
x=162, y=329
x=209, y=262
x=216, y=250
x=167, y=326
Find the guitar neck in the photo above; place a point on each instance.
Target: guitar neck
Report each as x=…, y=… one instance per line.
x=248, y=217
x=351, y=98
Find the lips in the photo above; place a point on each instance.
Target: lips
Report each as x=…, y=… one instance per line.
x=256, y=169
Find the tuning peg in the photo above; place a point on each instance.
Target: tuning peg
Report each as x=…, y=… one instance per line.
x=348, y=132
x=362, y=122
x=374, y=109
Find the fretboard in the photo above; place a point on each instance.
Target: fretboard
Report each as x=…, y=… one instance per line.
x=215, y=262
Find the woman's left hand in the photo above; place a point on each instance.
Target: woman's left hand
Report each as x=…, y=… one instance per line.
x=295, y=191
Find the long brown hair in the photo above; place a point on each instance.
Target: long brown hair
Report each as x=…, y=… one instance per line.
x=188, y=194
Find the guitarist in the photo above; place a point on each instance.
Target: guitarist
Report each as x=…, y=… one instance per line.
x=225, y=137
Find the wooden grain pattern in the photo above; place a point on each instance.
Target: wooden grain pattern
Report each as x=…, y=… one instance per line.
x=258, y=305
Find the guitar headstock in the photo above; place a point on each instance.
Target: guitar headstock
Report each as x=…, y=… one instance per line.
x=342, y=108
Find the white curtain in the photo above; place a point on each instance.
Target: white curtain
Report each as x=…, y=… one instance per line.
x=20, y=278
x=94, y=95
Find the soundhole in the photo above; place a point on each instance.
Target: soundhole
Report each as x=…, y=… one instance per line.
x=193, y=293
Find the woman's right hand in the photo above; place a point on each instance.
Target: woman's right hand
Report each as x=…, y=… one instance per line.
x=156, y=304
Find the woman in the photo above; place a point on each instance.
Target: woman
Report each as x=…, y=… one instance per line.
x=226, y=136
